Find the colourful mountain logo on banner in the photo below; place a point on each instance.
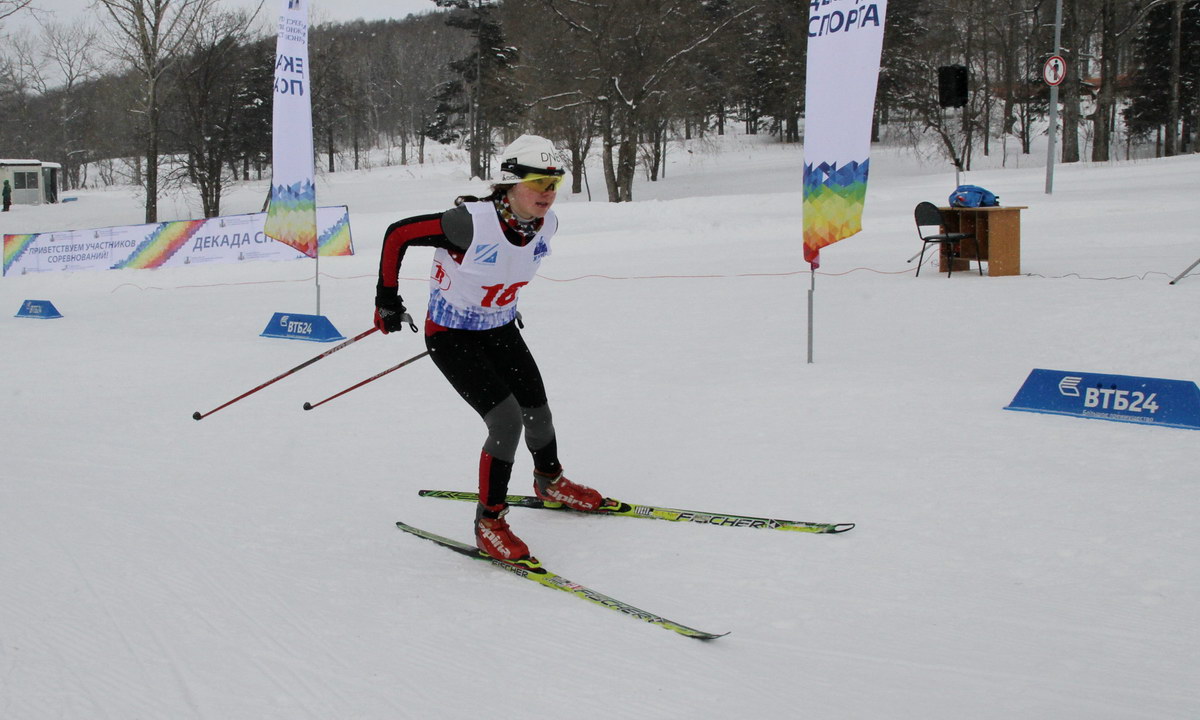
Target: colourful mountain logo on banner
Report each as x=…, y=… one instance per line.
x=160, y=245
x=834, y=198
x=14, y=247
x=336, y=240
x=292, y=216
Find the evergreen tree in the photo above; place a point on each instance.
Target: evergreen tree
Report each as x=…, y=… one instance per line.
x=901, y=73
x=254, y=94
x=717, y=74
x=784, y=93
x=1149, y=110
x=485, y=97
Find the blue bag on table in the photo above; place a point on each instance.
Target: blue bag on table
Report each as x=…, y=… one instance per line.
x=973, y=196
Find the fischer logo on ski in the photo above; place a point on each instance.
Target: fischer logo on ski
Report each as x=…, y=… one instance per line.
x=616, y=507
x=542, y=576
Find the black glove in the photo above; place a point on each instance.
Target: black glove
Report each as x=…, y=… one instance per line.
x=389, y=312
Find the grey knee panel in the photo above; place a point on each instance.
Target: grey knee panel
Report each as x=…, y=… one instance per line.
x=504, y=429
x=539, y=427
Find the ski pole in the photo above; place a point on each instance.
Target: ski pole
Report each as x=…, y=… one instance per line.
x=414, y=358
x=198, y=415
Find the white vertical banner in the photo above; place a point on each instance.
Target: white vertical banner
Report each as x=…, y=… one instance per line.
x=845, y=38
x=292, y=214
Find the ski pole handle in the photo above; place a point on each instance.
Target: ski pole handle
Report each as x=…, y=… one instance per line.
x=414, y=358
x=199, y=415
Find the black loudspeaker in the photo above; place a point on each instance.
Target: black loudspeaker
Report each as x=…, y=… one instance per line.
x=952, y=86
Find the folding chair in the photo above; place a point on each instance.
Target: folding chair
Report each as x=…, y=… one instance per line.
x=928, y=215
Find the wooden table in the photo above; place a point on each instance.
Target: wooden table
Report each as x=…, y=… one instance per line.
x=997, y=233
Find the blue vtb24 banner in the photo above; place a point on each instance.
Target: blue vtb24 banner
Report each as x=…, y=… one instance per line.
x=1123, y=398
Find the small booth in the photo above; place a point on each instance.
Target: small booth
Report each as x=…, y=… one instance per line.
x=33, y=182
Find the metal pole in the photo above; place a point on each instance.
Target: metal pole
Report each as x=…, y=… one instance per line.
x=199, y=415
x=812, y=288
x=1050, y=148
x=1184, y=273
x=376, y=376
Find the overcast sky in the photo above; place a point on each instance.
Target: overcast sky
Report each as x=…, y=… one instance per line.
x=319, y=10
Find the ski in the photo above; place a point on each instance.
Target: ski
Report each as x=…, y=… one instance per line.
x=542, y=576
x=624, y=509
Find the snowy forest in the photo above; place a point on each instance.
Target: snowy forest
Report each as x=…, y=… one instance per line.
x=191, y=105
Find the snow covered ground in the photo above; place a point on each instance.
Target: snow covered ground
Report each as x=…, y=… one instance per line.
x=247, y=566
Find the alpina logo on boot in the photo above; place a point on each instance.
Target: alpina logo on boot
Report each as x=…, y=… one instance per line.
x=570, y=501
x=494, y=540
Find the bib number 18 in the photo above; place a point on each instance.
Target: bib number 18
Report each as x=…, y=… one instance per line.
x=501, y=295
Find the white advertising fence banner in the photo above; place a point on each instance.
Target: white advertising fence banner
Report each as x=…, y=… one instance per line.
x=233, y=238
x=293, y=194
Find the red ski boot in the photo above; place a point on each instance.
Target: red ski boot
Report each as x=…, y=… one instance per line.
x=557, y=491
x=496, y=539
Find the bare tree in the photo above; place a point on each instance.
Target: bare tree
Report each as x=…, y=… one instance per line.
x=1119, y=20
x=1171, y=144
x=65, y=56
x=8, y=8
x=418, y=59
x=212, y=94
x=1079, y=18
x=624, y=53
x=149, y=36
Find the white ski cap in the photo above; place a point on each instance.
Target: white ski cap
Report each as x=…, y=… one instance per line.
x=529, y=154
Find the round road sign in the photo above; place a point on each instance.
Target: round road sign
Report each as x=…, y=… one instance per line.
x=1055, y=70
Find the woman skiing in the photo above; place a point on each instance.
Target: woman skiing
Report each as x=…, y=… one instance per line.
x=486, y=251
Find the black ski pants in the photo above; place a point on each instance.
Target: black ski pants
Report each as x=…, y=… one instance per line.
x=496, y=374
